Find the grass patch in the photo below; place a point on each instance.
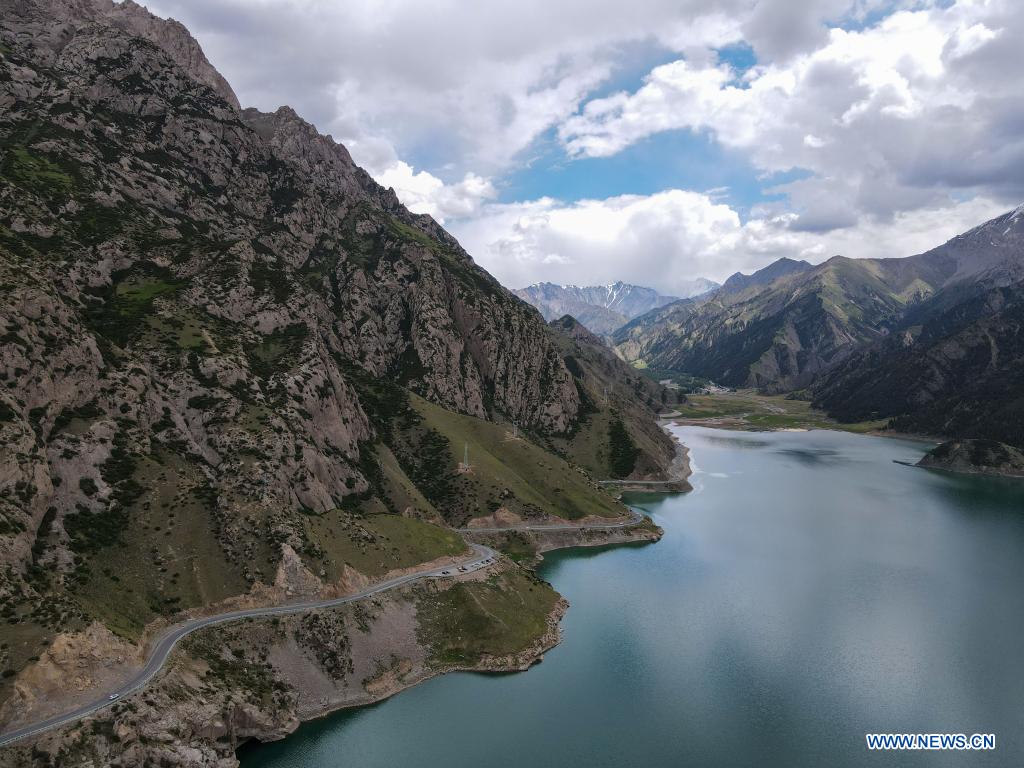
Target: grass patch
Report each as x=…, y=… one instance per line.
x=123, y=308
x=517, y=547
x=399, y=492
x=34, y=172
x=167, y=557
x=375, y=544
x=514, y=473
x=503, y=615
x=278, y=351
x=746, y=409
x=180, y=329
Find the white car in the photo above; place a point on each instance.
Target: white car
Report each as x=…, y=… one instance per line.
x=114, y=696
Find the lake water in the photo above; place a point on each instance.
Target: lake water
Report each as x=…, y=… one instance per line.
x=809, y=590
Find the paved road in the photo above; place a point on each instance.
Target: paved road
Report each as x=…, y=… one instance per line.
x=639, y=482
x=635, y=518
x=482, y=556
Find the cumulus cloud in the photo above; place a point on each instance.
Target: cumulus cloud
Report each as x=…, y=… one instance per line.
x=900, y=128
x=473, y=84
x=664, y=240
x=422, y=192
x=886, y=119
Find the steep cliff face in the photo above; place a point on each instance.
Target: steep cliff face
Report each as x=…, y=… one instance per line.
x=197, y=301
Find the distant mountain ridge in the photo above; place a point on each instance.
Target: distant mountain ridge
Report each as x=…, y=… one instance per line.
x=603, y=308
x=767, y=275
x=931, y=341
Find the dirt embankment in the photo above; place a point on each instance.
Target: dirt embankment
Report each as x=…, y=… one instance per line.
x=78, y=665
x=260, y=678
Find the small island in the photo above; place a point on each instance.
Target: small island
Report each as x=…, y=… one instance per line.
x=980, y=457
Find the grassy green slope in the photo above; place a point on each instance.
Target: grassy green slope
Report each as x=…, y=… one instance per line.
x=612, y=393
x=509, y=472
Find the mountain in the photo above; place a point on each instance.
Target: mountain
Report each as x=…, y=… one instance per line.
x=765, y=276
x=698, y=286
x=953, y=367
x=602, y=308
x=235, y=371
x=782, y=327
x=980, y=457
x=618, y=401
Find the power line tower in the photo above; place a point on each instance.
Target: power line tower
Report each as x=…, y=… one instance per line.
x=465, y=467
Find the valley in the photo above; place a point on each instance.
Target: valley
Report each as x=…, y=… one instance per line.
x=276, y=441
x=749, y=409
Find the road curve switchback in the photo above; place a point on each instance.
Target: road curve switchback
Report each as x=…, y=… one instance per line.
x=482, y=557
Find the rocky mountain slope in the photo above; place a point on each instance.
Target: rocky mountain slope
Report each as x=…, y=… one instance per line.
x=952, y=368
x=766, y=275
x=224, y=348
x=602, y=308
x=779, y=329
x=619, y=409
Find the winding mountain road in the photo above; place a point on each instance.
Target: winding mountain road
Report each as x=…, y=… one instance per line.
x=482, y=556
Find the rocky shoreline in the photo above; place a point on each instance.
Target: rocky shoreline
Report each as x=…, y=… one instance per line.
x=182, y=719
x=976, y=457
x=392, y=684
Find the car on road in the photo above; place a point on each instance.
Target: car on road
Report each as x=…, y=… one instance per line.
x=446, y=573
x=114, y=696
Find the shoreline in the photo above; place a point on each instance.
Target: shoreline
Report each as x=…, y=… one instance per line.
x=519, y=662
x=733, y=426
x=642, y=531
x=514, y=663
x=679, y=471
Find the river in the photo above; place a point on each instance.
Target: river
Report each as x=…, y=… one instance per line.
x=809, y=590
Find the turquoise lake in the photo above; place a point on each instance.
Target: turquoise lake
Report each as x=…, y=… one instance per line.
x=809, y=590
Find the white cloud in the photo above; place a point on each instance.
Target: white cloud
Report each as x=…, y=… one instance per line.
x=472, y=84
x=887, y=119
x=888, y=123
x=422, y=192
x=666, y=239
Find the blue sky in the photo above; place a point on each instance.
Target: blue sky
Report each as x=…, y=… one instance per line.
x=656, y=141
x=679, y=159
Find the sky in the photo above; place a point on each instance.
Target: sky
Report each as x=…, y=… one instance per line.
x=652, y=141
